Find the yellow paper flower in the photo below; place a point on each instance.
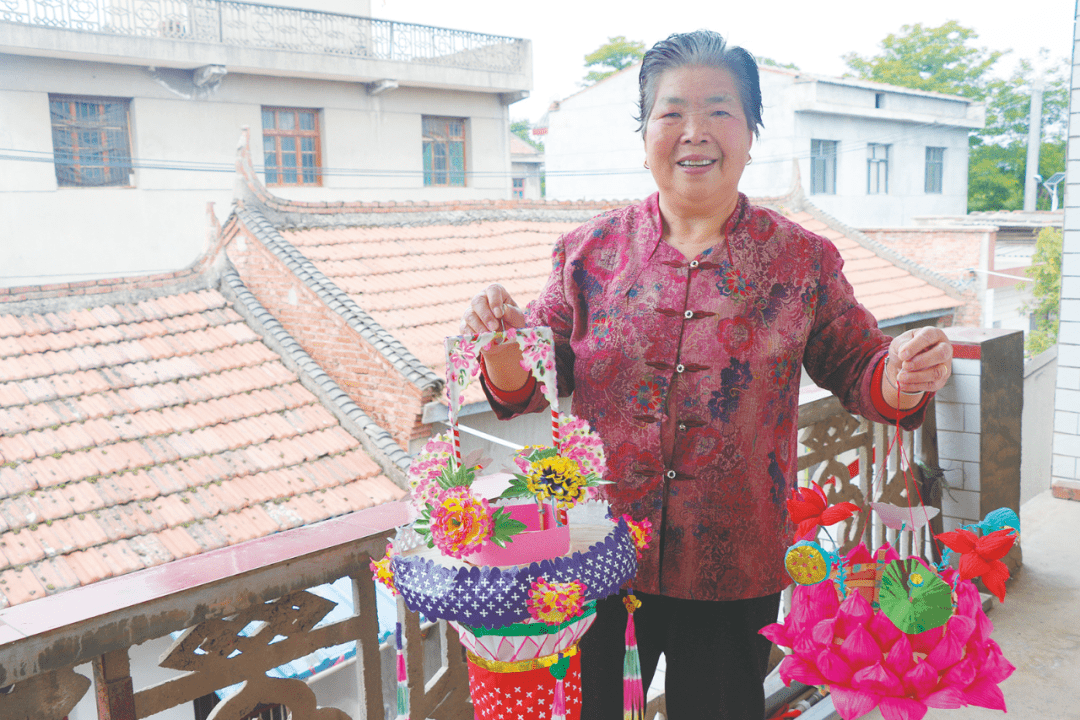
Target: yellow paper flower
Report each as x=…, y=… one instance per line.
x=559, y=479
x=382, y=571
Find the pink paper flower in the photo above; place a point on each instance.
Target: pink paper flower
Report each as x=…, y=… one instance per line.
x=460, y=522
x=382, y=570
x=556, y=602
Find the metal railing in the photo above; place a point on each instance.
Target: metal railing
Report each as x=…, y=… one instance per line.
x=242, y=24
x=211, y=597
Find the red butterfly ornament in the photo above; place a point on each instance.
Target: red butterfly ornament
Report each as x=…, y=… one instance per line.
x=981, y=556
x=809, y=508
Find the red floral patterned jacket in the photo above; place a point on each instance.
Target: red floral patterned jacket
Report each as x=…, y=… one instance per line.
x=690, y=371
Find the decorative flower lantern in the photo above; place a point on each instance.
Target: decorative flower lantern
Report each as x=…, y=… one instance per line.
x=899, y=634
x=516, y=573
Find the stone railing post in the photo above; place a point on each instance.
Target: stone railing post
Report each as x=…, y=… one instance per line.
x=978, y=424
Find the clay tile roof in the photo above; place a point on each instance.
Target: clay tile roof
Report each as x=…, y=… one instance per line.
x=415, y=280
x=139, y=433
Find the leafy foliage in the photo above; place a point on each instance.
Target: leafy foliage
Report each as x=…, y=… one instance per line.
x=940, y=59
x=614, y=55
x=927, y=58
x=1045, y=272
x=769, y=62
x=523, y=129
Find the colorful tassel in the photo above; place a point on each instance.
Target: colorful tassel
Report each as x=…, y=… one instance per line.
x=558, y=703
x=633, y=694
x=402, y=680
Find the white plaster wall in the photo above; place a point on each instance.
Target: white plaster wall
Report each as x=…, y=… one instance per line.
x=593, y=152
x=1010, y=311
x=958, y=428
x=371, y=145
x=906, y=198
x=1040, y=373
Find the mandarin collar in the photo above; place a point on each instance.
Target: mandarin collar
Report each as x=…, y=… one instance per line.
x=650, y=234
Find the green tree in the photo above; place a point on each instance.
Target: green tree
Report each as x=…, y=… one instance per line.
x=769, y=62
x=937, y=59
x=943, y=59
x=1045, y=272
x=523, y=129
x=614, y=55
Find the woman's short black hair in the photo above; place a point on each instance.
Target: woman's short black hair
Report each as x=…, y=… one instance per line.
x=701, y=47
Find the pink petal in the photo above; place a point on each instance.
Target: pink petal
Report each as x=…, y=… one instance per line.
x=946, y=699
x=985, y=693
x=921, y=679
x=853, y=704
x=823, y=633
x=886, y=554
x=859, y=648
x=995, y=667
x=798, y=669
x=805, y=646
x=833, y=667
x=884, y=631
x=853, y=612
x=895, y=708
x=947, y=653
x=961, y=627
x=776, y=633
x=899, y=658
x=968, y=602
x=925, y=642
x=876, y=679
x=859, y=554
x=983, y=627
x=960, y=675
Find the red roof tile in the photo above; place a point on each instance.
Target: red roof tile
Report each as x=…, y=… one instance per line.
x=125, y=431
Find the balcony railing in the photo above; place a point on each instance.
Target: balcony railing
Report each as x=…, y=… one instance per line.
x=211, y=598
x=241, y=24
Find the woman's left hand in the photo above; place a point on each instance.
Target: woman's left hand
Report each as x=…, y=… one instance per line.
x=919, y=361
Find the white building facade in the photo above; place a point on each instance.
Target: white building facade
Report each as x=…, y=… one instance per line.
x=872, y=155
x=115, y=118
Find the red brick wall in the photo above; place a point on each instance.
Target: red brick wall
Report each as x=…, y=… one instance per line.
x=361, y=371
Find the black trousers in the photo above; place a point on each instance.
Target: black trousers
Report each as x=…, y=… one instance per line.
x=716, y=660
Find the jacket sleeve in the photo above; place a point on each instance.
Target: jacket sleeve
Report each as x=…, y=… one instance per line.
x=550, y=308
x=845, y=345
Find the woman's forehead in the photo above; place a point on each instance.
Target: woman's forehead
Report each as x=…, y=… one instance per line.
x=695, y=83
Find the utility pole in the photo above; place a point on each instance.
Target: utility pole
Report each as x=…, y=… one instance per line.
x=1031, y=170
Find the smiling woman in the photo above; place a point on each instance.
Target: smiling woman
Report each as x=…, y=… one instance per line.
x=680, y=323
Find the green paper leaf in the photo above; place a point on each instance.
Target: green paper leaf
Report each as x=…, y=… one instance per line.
x=518, y=488
x=914, y=597
x=505, y=527
x=456, y=476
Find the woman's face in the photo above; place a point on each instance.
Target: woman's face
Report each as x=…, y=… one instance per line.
x=697, y=141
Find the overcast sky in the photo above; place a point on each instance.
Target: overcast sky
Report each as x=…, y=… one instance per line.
x=814, y=36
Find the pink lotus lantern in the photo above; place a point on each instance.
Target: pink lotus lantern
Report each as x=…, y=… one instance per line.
x=898, y=634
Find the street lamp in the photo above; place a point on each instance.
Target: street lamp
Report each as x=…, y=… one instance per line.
x=1051, y=187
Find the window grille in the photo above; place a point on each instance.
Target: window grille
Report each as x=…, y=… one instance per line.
x=877, y=169
x=292, y=149
x=444, y=151
x=823, y=167
x=91, y=141
x=935, y=169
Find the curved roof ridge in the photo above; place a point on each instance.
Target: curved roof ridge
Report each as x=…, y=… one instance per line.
x=376, y=439
x=337, y=300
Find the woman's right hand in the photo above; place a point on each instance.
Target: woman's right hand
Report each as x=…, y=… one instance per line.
x=489, y=310
x=492, y=310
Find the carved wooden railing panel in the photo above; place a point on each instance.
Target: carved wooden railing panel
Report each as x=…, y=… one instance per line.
x=265, y=582
x=258, y=587
x=832, y=438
